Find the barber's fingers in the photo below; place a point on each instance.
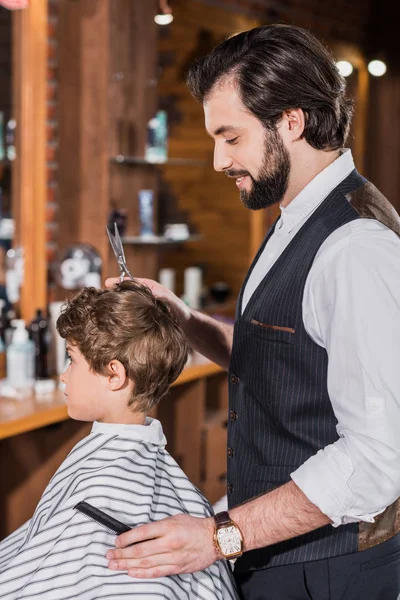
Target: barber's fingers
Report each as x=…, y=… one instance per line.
x=148, y=568
x=138, y=551
x=153, y=573
x=142, y=533
x=111, y=281
x=148, y=562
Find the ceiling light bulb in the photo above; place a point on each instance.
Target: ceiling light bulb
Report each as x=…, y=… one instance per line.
x=163, y=19
x=377, y=68
x=345, y=67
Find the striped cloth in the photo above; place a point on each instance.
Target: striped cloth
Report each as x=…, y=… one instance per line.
x=60, y=554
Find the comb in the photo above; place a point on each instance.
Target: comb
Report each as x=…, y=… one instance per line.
x=102, y=518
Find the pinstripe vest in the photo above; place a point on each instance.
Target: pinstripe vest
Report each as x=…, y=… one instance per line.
x=280, y=413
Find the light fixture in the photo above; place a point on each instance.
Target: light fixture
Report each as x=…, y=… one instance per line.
x=345, y=67
x=164, y=15
x=377, y=68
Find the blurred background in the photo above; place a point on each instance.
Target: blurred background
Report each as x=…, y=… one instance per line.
x=97, y=127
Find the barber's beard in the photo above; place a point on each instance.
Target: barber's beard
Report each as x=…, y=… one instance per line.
x=272, y=181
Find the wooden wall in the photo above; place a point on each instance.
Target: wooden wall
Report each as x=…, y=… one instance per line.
x=384, y=136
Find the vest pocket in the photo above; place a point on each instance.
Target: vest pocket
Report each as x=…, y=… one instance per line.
x=272, y=333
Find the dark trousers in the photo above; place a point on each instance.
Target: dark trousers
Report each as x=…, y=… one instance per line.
x=373, y=574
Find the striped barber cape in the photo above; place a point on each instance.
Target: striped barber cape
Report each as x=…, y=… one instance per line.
x=60, y=554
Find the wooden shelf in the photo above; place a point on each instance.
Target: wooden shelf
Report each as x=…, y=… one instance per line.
x=138, y=160
x=19, y=416
x=157, y=240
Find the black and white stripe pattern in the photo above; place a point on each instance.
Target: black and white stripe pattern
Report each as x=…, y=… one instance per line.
x=60, y=554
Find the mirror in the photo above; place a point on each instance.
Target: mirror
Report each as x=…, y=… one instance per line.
x=7, y=148
x=23, y=62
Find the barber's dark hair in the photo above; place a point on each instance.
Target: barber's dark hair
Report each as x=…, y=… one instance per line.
x=277, y=68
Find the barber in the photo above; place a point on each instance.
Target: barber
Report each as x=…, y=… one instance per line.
x=314, y=381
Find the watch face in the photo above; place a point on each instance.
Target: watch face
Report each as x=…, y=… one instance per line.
x=229, y=540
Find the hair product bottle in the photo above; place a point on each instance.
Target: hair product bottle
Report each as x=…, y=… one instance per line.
x=21, y=358
x=156, y=150
x=146, y=202
x=2, y=148
x=3, y=369
x=38, y=333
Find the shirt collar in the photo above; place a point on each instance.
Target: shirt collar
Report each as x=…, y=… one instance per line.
x=151, y=432
x=316, y=191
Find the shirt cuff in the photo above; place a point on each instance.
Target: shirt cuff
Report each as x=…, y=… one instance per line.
x=323, y=478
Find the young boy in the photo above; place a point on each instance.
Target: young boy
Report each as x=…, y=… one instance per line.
x=125, y=350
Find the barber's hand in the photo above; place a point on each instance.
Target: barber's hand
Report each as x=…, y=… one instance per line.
x=180, y=544
x=179, y=308
x=14, y=4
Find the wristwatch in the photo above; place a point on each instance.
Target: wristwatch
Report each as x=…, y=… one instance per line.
x=228, y=538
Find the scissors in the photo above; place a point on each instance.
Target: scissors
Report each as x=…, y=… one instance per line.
x=116, y=245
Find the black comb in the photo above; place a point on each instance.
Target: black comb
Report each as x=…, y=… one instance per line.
x=103, y=518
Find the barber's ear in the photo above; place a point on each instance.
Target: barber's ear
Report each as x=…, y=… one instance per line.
x=293, y=123
x=116, y=378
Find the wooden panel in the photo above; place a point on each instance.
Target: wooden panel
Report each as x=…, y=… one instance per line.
x=29, y=171
x=84, y=123
x=214, y=456
x=383, y=160
x=182, y=416
x=104, y=112
x=217, y=399
x=214, y=441
x=27, y=463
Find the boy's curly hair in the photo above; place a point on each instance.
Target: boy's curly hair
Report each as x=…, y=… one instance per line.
x=127, y=323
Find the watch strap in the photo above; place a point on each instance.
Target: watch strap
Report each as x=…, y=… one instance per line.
x=222, y=519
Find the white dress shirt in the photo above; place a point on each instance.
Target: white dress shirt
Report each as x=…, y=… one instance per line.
x=351, y=307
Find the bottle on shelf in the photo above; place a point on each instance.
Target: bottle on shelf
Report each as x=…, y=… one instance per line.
x=3, y=368
x=38, y=333
x=20, y=358
x=3, y=324
x=146, y=213
x=157, y=138
x=11, y=152
x=2, y=148
x=6, y=329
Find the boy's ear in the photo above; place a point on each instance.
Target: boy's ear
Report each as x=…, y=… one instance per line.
x=116, y=378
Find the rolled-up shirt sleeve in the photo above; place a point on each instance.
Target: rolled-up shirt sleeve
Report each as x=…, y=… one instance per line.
x=351, y=307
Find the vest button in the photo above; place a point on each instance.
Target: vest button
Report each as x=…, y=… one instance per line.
x=232, y=415
x=230, y=452
x=234, y=378
x=229, y=488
